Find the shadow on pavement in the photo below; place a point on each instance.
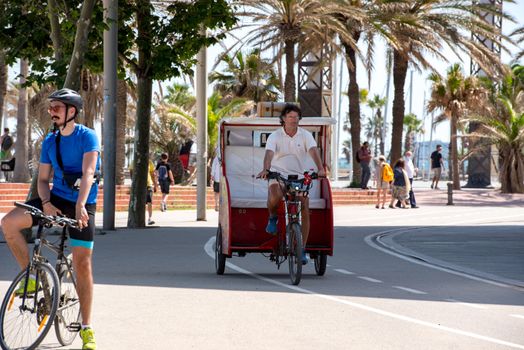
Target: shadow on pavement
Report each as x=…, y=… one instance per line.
x=174, y=257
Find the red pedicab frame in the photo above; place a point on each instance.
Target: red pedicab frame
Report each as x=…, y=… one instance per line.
x=243, y=218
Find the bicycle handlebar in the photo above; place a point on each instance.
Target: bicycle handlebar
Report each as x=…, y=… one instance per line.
x=48, y=219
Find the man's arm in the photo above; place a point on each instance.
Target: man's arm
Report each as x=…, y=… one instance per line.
x=44, y=175
x=315, y=154
x=268, y=157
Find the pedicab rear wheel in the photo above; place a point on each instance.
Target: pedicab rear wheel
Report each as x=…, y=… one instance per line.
x=320, y=264
x=220, y=259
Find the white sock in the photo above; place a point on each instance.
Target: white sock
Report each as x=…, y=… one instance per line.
x=84, y=326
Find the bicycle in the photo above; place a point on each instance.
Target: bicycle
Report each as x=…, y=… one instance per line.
x=26, y=317
x=290, y=246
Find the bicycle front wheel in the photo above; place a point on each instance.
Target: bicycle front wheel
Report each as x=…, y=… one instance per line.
x=67, y=321
x=27, y=315
x=294, y=241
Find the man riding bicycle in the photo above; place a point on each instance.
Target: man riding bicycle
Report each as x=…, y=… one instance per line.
x=286, y=152
x=71, y=157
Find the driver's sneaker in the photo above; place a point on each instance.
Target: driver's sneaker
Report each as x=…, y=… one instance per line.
x=31, y=286
x=304, y=257
x=150, y=222
x=271, y=227
x=88, y=339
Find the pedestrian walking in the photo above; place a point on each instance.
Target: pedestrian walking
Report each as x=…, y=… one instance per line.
x=410, y=171
x=401, y=186
x=364, y=158
x=165, y=179
x=383, y=176
x=437, y=166
x=151, y=188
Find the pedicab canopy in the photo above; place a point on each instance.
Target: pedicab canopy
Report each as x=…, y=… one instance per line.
x=242, y=149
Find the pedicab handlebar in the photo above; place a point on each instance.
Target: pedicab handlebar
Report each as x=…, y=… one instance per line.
x=293, y=183
x=47, y=220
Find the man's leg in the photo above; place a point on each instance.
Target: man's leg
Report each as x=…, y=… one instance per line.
x=274, y=197
x=84, y=281
x=365, y=175
x=14, y=222
x=150, y=210
x=305, y=219
x=273, y=201
x=412, y=201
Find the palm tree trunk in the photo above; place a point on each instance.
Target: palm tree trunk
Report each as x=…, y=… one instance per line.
x=512, y=170
x=290, y=84
x=121, y=122
x=137, y=201
x=454, y=154
x=21, y=171
x=354, y=110
x=77, y=58
x=3, y=86
x=400, y=69
x=381, y=126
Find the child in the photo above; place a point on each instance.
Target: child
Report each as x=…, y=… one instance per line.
x=165, y=179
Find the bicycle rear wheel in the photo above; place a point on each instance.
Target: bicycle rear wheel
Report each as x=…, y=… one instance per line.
x=294, y=241
x=25, y=319
x=67, y=321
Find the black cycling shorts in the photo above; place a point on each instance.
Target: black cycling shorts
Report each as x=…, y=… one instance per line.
x=78, y=238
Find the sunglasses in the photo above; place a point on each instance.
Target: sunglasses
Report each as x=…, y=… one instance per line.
x=55, y=109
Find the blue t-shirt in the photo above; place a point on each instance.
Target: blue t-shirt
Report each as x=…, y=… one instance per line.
x=72, y=149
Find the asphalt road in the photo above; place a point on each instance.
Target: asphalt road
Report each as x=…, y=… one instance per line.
x=430, y=278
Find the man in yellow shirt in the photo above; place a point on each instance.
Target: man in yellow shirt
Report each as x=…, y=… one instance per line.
x=151, y=188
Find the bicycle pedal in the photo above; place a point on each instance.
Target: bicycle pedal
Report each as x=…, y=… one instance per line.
x=74, y=327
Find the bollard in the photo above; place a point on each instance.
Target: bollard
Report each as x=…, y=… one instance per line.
x=450, y=193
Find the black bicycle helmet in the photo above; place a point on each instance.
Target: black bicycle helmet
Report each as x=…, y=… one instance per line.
x=67, y=96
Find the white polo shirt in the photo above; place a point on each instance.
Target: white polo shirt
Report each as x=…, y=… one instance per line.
x=291, y=153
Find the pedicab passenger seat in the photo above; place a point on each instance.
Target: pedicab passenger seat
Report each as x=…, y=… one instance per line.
x=243, y=164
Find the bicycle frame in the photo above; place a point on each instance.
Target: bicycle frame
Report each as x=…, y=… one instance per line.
x=292, y=209
x=40, y=242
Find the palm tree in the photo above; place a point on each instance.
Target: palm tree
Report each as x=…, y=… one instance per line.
x=519, y=33
x=372, y=129
x=422, y=28
x=455, y=95
x=376, y=103
x=285, y=24
x=248, y=76
x=413, y=126
x=505, y=128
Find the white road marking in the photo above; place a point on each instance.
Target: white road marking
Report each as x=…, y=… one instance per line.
x=517, y=316
x=369, y=279
x=410, y=290
x=345, y=272
x=466, y=304
x=209, y=249
x=369, y=241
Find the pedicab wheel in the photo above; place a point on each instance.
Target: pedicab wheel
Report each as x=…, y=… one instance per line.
x=320, y=264
x=220, y=259
x=295, y=253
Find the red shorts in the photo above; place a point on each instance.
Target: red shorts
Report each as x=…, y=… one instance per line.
x=184, y=158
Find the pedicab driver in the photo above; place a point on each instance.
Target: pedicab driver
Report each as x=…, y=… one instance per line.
x=287, y=150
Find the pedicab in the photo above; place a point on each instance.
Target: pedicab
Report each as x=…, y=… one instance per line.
x=243, y=210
